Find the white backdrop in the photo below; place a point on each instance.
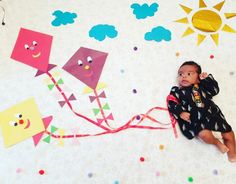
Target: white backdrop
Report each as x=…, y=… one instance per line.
x=151, y=70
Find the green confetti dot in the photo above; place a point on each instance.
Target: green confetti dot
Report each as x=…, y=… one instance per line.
x=190, y=179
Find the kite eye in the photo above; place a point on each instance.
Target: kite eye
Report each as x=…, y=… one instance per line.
x=89, y=59
x=80, y=63
x=18, y=116
x=13, y=123
x=35, y=43
x=26, y=47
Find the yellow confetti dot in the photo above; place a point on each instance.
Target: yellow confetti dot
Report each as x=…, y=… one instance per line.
x=177, y=54
x=161, y=147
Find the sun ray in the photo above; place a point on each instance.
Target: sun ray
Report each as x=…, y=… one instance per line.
x=206, y=21
x=202, y=4
x=219, y=5
x=188, y=31
x=183, y=20
x=227, y=28
x=215, y=38
x=230, y=15
x=186, y=9
x=200, y=38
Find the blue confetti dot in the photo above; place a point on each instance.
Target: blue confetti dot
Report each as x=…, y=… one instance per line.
x=122, y=71
x=90, y=175
x=215, y=172
x=116, y=182
x=135, y=48
x=134, y=91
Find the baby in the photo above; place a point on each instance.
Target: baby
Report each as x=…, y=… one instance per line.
x=196, y=113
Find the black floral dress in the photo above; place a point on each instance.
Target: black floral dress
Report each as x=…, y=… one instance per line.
x=205, y=116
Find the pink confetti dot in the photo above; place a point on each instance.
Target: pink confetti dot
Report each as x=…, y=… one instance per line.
x=142, y=159
x=158, y=173
x=19, y=170
x=41, y=172
x=212, y=56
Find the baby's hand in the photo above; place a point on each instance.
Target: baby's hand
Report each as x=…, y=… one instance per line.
x=203, y=75
x=185, y=116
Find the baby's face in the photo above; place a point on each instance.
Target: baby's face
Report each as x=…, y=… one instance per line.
x=187, y=75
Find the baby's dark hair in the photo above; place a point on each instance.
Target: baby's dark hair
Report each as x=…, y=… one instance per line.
x=192, y=63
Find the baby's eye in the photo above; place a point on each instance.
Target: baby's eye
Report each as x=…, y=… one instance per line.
x=35, y=43
x=89, y=59
x=26, y=47
x=18, y=115
x=13, y=123
x=189, y=74
x=180, y=74
x=80, y=63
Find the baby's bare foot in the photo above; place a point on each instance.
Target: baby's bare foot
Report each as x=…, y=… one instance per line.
x=232, y=157
x=223, y=148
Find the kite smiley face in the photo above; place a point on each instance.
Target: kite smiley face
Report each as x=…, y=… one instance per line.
x=20, y=122
x=86, y=65
x=32, y=48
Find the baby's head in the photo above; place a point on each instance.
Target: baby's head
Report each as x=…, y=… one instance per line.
x=188, y=74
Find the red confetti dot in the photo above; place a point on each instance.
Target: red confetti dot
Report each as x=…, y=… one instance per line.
x=142, y=159
x=41, y=172
x=212, y=56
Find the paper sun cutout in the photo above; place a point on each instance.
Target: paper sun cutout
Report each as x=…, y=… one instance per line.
x=20, y=122
x=33, y=48
x=206, y=21
x=86, y=65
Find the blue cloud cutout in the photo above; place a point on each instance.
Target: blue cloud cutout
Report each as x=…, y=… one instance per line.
x=63, y=18
x=158, y=34
x=143, y=11
x=100, y=31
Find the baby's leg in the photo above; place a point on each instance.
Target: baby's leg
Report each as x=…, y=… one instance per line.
x=229, y=141
x=209, y=138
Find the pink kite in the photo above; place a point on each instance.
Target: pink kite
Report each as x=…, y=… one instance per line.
x=33, y=48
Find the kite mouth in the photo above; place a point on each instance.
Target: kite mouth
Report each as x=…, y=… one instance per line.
x=89, y=74
x=28, y=124
x=36, y=55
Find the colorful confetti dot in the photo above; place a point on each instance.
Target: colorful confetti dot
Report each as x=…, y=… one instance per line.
x=19, y=170
x=138, y=117
x=90, y=175
x=41, y=172
x=215, y=172
x=231, y=73
x=116, y=182
x=190, y=179
x=212, y=56
x=134, y=91
x=177, y=54
x=135, y=48
x=142, y=159
x=158, y=173
x=161, y=147
x=122, y=71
